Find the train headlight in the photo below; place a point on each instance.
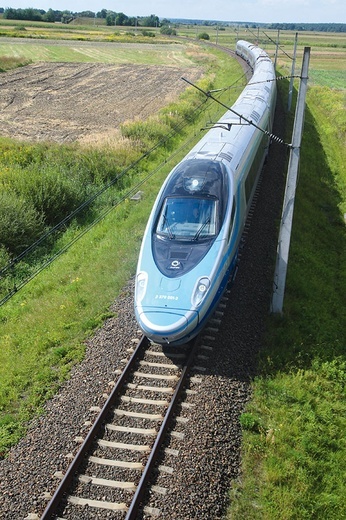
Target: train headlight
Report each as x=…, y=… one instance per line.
x=200, y=291
x=141, y=285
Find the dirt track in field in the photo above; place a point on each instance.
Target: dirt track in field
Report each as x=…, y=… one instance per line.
x=86, y=102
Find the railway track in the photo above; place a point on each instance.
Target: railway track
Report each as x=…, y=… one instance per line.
x=111, y=471
x=109, y=475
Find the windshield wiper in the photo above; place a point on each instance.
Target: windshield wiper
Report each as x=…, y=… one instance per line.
x=168, y=226
x=199, y=231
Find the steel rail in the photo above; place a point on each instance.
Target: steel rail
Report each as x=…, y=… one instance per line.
x=92, y=434
x=154, y=454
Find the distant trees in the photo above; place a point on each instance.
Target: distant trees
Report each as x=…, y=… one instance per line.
x=111, y=17
x=150, y=21
x=102, y=13
x=122, y=19
x=114, y=18
x=49, y=16
x=87, y=14
x=23, y=14
x=319, y=27
x=37, y=15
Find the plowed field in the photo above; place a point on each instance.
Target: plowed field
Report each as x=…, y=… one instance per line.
x=66, y=102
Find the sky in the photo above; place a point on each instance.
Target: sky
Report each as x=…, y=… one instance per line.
x=261, y=11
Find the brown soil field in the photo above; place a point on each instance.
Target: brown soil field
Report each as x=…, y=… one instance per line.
x=85, y=102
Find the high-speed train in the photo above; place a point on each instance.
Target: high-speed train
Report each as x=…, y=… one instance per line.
x=190, y=245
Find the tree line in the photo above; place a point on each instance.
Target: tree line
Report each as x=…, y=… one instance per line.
x=111, y=17
x=300, y=27
x=114, y=18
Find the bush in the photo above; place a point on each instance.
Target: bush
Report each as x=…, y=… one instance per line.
x=168, y=31
x=4, y=257
x=14, y=155
x=145, y=133
x=20, y=222
x=147, y=33
x=51, y=193
x=203, y=36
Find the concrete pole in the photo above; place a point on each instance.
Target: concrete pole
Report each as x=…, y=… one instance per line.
x=289, y=198
x=290, y=91
x=277, y=49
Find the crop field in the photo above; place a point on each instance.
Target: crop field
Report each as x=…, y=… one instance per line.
x=95, y=52
x=66, y=102
x=75, y=91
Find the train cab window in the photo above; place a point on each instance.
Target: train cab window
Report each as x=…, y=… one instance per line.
x=188, y=218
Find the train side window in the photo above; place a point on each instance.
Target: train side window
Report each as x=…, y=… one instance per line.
x=234, y=207
x=254, y=170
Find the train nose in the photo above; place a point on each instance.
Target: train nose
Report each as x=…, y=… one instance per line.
x=168, y=326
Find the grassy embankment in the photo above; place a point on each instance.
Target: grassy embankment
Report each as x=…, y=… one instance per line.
x=294, y=456
x=43, y=327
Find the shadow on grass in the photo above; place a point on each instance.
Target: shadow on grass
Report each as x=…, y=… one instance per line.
x=314, y=321
x=253, y=342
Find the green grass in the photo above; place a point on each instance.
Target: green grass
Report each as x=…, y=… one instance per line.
x=334, y=77
x=137, y=53
x=294, y=456
x=294, y=460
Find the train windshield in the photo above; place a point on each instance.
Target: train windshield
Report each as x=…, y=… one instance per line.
x=188, y=218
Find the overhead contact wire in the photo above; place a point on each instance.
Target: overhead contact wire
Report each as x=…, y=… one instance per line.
x=249, y=121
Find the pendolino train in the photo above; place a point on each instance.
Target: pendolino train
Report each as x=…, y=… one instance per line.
x=190, y=246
